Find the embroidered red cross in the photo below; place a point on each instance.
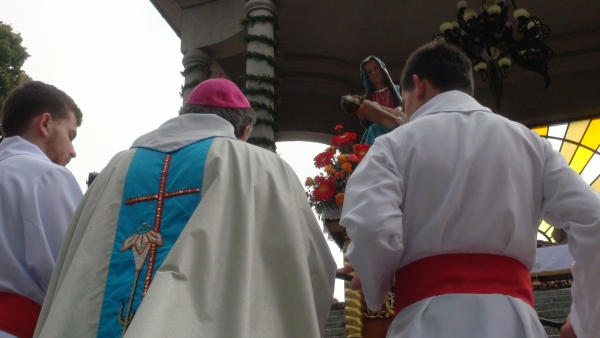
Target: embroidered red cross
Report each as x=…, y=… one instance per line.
x=160, y=198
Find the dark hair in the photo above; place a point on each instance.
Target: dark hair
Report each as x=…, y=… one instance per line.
x=238, y=117
x=32, y=99
x=443, y=65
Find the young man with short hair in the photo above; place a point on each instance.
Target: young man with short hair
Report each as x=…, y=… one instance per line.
x=447, y=208
x=193, y=233
x=38, y=197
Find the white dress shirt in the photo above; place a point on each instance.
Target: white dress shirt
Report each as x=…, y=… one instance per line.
x=37, y=200
x=460, y=179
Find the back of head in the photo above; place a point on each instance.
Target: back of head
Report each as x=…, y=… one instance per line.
x=223, y=98
x=443, y=65
x=32, y=99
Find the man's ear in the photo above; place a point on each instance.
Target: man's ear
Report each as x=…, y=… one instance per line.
x=245, y=133
x=420, y=87
x=42, y=124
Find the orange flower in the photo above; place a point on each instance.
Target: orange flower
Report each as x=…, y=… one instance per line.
x=325, y=190
x=339, y=199
x=361, y=150
x=343, y=158
x=309, y=181
x=338, y=127
x=353, y=158
x=344, y=139
x=323, y=159
x=347, y=167
x=329, y=169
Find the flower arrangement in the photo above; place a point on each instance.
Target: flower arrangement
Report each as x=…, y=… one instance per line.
x=337, y=162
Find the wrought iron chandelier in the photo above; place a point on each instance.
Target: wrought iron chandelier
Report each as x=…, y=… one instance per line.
x=487, y=39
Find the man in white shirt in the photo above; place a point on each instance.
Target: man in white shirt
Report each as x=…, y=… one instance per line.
x=38, y=197
x=446, y=208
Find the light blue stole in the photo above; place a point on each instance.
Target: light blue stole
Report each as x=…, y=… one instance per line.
x=161, y=192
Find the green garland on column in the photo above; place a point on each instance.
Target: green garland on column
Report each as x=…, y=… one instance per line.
x=260, y=78
x=261, y=57
x=249, y=21
x=197, y=66
x=262, y=105
x=262, y=39
x=192, y=85
x=271, y=95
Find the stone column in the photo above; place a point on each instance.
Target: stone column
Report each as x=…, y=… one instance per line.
x=261, y=67
x=196, y=68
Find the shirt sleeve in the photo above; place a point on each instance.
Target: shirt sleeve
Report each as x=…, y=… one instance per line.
x=47, y=214
x=570, y=204
x=373, y=221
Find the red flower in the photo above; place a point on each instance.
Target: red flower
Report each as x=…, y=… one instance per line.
x=338, y=127
x=344, y=139
x=361, y=150
x=319, y=179
x=339, y=174
x=325, y=190
x=353, y=158
x=323, y=159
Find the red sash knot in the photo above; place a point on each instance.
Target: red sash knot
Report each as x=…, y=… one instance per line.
x=18, y=315
x=462, y=274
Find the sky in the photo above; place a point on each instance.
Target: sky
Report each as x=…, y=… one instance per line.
x=120, y=62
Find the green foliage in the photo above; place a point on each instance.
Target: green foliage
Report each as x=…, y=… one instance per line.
x=201, y=66
x=260, y=78
x=261, y=105
x=12, y=57
x=249, y=21
x=271, y=95
x=268, y=122
x=192, y=84
x=261, y=57
x=262, y=39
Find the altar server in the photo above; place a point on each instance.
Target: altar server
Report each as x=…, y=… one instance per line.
x=447, y=209
x=38, y=197
x=193, y=233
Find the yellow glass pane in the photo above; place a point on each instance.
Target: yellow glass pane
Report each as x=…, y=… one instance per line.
x=544, y=226
x=567, y=150
x=542, y=131
x=547, y=230
x=596, y=185
x=576, y=130
x=592, y=135
x=581, y=158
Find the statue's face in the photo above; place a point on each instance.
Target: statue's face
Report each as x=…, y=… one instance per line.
x=374, y=72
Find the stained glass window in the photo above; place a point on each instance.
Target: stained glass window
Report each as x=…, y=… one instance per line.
x=578, y=142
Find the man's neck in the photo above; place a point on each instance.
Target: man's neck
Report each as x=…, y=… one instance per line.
x=34, y=140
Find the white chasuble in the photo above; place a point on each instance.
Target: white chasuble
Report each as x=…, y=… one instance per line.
x=216, y=241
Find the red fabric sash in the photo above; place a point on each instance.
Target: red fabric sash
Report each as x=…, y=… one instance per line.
x=462, y=273
x=18, y=315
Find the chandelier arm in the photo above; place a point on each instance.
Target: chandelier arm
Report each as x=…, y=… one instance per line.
x=496, y=83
